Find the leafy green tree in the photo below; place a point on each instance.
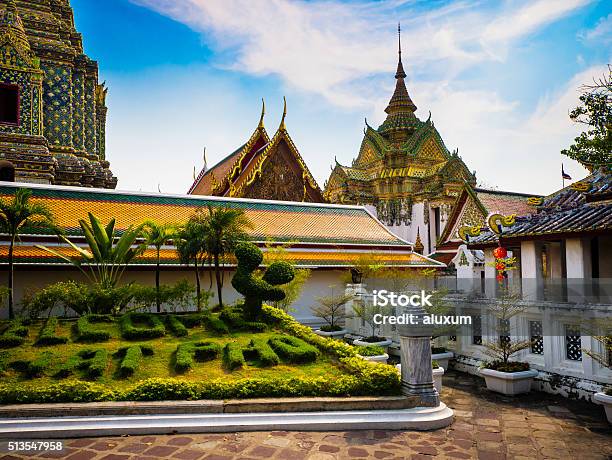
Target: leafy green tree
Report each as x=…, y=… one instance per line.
x=331, y=309
x=17, y=216
x=190, y=244
x=158, y=235
x=593, y=148
x=108, y=255
x=225, y=228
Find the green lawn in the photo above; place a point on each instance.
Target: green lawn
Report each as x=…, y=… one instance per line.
x=161, y=364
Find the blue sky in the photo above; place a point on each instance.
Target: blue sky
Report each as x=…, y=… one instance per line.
x=498, y=77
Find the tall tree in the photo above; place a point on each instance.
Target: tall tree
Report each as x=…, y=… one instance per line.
x=158, y=235
x=593, y=148
x=190, y=244
x=17, y=216
x=225, y=228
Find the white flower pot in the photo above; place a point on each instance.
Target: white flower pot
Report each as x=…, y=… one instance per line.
x=509, y=383
x=334, y=334
x=383, y=343
x=606, y=401
x=437, y=376
x=377, y=358
x=443, y=358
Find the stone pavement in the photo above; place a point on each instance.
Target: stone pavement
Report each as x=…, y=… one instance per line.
x=487, y=426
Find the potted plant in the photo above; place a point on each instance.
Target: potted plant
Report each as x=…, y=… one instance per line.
x=442, y=356
x=603, y=397
x=367, y=311
x=437, y=372
x=373, y=353
x=502, y=375
x=331, y=309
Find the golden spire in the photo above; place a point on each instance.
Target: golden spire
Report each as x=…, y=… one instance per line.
x=263, y=112
x=400, y=68
x=418, y=244
x=282, y=126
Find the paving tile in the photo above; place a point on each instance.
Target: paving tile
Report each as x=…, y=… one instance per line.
x=160, y=451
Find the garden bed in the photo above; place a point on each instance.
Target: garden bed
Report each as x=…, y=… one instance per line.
x=211, y=364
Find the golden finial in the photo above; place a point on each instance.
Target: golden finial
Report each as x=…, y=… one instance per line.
x=418, y=244
x=263, y=112
x=282, y=126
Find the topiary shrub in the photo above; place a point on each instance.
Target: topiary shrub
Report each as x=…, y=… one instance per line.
x=215, y=324
x=293, y=350
x=93, y=362
x=234, y=316
x=176, y=326
x=201, y=351
x=232, y=356
x=131, y=358
x=14, y=335
x=255, y=290
x=87, y=332
x=47, y=335
x=154, y=326
x=260, y=349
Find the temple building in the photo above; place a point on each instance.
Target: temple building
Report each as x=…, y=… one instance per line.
x=52, y=107
x=263, y=167
x=408, y=178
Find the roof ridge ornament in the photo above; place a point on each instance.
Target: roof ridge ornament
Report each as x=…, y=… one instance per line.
x=282, y=126
x=263, y=113
x=400, y=67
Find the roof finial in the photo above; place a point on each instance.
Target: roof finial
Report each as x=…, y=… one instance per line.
x=282, y=126
x=263, y=112
x=400, y=68
x=205, y=159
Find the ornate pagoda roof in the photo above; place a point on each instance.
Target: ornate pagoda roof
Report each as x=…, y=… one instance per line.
x=324, y=235
x=583, y=207
x=12, y=25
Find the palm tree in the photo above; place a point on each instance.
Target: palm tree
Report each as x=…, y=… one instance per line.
x=225, y=228
x=158, y=235
x=17, y=216
x=108, y=255
x=189, y=241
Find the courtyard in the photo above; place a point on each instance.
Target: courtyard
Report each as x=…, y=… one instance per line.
x=487, y=426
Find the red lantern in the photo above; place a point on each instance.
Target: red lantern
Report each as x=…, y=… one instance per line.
x=500, y=266
x=500, y=253
x=500, y=277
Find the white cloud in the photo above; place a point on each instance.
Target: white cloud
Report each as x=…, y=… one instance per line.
x=602, y=32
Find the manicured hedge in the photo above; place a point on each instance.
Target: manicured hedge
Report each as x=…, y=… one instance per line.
x=215, y=324
x=47, y=335
x=260, y=349
x=93, y=362
x=15, y=334
x=192, y=320
x=293, y=350
x=154, y=329
x=176, y=326
x=87, y=332
x=131, y=358
x=235, y=318
x=200, y=351
x=232, y=356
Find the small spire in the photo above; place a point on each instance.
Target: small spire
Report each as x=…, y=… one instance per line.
x=10, y=20
x=400, y=68
x=205, y=159
x=263, y=112
x=282, y=126
x=418, y=244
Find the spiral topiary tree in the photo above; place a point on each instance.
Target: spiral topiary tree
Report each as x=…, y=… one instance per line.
x=254, y=289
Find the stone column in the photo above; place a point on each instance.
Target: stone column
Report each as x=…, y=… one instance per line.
x=531, y=269
x=578, y=269
x=415, y=347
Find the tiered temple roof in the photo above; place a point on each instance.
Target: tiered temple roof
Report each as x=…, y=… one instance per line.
x=320, y=235
x=582, y=208
x=263, y=167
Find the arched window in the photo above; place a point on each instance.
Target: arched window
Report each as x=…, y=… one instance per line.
x=7, y=171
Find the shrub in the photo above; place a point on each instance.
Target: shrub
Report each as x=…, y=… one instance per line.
x=130, y=361
x=47, y=335
x=259, y=349
x=201, y=351
x=234, y=317
x=14, y=335
x=129, y=331
x=510, y=366
x=232, y=356
x=255, y=290
x=192, y=320
x=87, y=332
x=371, y=350
x=176, y=326
x=215, y=324
x=93, y=362
x=37, y=366
x=68, y=294
x=71, y=391
x=293, y=350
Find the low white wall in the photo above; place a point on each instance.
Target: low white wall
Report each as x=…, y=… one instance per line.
x=317, y=285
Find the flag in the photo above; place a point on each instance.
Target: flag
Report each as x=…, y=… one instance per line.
x=565, y=175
